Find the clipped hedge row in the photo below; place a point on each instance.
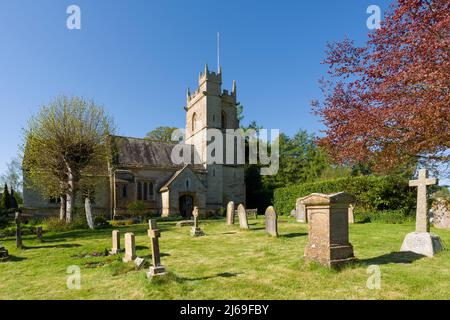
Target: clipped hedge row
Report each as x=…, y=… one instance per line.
x=374, y=193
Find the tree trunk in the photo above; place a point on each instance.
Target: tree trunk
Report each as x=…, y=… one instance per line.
x=70, y=198
x=62, y=208
x=87, y=208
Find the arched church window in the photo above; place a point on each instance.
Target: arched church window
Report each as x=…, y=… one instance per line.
x=139, y=191
x=145, y=191
x=150, y=189
x=214, y=118
x=194, y=121
x=124, y=191
x=224, y=120
x=187, y=183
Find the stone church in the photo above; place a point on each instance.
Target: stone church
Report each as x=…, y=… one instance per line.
x=142, y=170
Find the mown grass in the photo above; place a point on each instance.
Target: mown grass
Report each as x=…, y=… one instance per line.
x=227, y=263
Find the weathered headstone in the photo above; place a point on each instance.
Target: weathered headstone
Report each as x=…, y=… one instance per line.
x=441, y=214
x=252, y=213
x=328, y=241
x=88, y=210
x=139, y=263
x=19, y=244
x=271, y=222
x=351, y=214
x=422, y=241
x=301, y=211
x=115, y=242
x=195, y=230
x=4, y=255
x=39, y=233
x=230, y=213
x=156, y=269
x=130, y=247
x=242, y=214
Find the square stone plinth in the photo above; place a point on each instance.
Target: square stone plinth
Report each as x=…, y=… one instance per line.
x=156, y=271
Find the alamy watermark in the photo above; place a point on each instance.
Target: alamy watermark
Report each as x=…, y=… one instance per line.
x=74, y=279
x=374, y=20
x=374, y=280
x=229, y=147
x=73, y=21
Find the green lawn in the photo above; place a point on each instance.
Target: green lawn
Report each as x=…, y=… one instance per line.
x=227, y=263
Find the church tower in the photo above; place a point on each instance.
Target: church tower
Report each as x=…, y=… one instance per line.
x=208, y=107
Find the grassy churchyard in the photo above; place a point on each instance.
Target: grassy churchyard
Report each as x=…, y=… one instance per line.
x=226, y=263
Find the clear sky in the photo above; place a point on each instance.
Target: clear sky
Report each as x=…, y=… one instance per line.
x=137, y=58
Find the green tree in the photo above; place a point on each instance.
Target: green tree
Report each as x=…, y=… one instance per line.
x=13, y=174
x=161, y=134
x=5, y=202
x=66, y=142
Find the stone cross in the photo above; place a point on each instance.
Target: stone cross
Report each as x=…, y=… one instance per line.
x=130, y=247
x=271, y=222
x=242, y=214
x=156, y=269
x=422, y=224
x=18, y=231
x=230, y=213
x=115, y=242
x=196, y=231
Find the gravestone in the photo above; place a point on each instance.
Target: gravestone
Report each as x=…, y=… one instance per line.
x=293, y=213
x=88, y=210
x=422, y=241
x=328, y=241
x=4, y=255
x=301, y=211
x=252, y=213
x=19, y=244
x=351, y=214
x=139, y=263
x=156, y=269
x=39, y=233
x=230, y=213
x=441, y=214
x=130, y=247
x=195, y=230
x=242, y=214
x=115, y=242
x=271, y=222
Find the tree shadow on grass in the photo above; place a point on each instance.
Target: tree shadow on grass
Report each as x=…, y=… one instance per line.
x=62, y=245
x=218, y=275
x=393, y=257
x=293, y=235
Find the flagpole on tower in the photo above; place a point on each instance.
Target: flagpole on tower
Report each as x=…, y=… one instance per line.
x=218, y=52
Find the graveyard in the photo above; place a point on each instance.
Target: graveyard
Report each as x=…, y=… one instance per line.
x=226, y=263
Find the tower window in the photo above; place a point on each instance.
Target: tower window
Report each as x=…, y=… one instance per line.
x=124, y=191
x=214, y=118
x=194, y=121
x=187, y=183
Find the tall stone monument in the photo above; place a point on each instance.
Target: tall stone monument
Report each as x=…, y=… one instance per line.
x=115, y=242
x=230, y=213
x=271, y=222
x=157, y=269
x=422, y=241
x=242, y=214
x=130, y=247
x=300, y=211
x=328, y=241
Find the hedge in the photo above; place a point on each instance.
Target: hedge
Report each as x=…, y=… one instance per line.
x=374, y=193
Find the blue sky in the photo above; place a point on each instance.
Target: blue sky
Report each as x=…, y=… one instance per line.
x=136, y=58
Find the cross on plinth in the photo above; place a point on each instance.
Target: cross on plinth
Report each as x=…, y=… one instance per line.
x=195, y=230
x=421, y=183
x=157, y=269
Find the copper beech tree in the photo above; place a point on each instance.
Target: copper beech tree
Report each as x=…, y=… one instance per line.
x=388, y=103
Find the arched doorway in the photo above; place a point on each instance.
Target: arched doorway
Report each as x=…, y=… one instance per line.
x=186, y=205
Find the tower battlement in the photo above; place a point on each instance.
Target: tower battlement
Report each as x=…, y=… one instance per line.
x=211, y=76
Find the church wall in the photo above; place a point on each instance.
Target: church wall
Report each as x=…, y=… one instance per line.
x=233, y=184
